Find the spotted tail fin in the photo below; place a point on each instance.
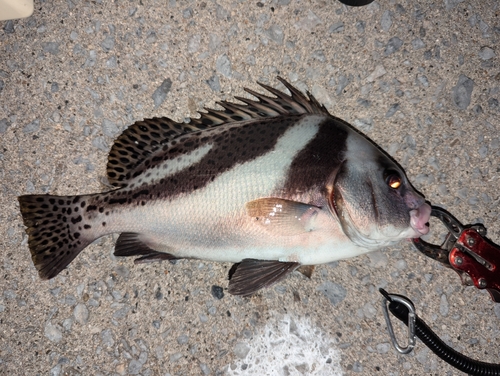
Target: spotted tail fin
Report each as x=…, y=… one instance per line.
x=56, y=229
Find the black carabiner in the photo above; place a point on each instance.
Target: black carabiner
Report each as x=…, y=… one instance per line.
x=400, y=309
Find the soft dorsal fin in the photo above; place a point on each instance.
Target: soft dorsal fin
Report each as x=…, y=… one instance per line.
x=144, y=137
x=138, y=142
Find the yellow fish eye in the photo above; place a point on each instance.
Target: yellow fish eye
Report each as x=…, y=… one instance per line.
x=394, y=181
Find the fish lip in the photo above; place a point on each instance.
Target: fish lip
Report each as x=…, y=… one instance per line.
x=333, y=205
x=419, y=220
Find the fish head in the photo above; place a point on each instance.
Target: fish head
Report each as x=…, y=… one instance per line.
x=373, y=199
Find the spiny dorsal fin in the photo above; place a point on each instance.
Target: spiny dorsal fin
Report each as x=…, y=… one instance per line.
x=143, y=138
x=296, y=103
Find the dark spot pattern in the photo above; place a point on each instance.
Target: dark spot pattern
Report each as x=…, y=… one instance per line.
x=76, y=220
x=54, y=226
x=119, y=201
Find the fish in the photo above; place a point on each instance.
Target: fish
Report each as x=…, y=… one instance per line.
x=272, y=184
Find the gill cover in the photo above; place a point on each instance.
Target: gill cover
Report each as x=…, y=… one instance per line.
x=373, y=198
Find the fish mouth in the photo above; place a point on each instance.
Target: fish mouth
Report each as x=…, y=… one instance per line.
x=419, y=220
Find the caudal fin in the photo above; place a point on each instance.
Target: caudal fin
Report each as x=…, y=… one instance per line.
x=56, y=230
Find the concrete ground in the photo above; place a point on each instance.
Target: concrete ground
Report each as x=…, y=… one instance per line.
x=420, y=77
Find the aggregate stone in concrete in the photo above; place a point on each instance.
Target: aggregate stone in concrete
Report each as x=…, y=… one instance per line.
x=421, y=78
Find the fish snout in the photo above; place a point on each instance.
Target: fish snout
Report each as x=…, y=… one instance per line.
x=419, y=219
x=413, y=200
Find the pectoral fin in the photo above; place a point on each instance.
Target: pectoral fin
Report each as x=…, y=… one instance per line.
x=251, y=275
x=282, y=217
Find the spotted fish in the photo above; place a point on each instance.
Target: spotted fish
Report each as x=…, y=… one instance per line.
x=271, y=184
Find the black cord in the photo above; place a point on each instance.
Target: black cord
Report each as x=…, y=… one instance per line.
x=441, y=349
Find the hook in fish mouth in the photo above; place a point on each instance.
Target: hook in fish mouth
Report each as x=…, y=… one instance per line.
x=419, y=219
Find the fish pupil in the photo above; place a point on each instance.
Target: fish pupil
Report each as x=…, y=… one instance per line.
x=393, y=179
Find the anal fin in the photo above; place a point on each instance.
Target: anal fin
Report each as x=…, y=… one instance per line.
x=129, y=244
x=156, y=256
x=306, y=270
x=251, y=275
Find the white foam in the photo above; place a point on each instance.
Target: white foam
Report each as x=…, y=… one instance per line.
x=289, y=346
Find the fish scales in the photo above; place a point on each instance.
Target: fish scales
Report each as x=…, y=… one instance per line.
x=271, y=185
x=220, y=192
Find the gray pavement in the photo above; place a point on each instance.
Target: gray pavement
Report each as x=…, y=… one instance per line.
x=421, y=78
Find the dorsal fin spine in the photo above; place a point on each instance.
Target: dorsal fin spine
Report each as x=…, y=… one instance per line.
x=143, y=138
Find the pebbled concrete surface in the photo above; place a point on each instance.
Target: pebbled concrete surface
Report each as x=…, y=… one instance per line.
x=421, y=78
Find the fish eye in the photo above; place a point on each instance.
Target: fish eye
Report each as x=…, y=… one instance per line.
x=393, y=179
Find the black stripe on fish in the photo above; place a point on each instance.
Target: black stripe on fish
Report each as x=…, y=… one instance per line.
x=235, y=145
x=314, y=163
x=138, y=144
